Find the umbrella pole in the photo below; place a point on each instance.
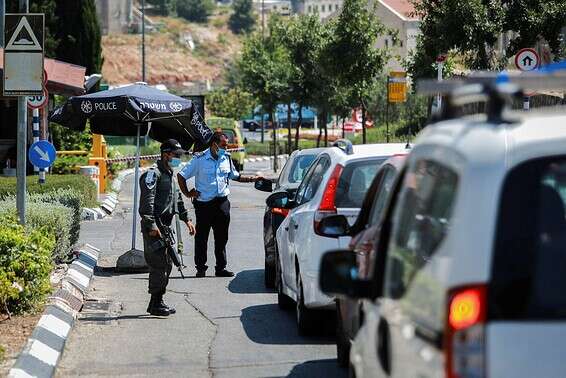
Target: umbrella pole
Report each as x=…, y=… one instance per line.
x=134, y=260
x=136, y=189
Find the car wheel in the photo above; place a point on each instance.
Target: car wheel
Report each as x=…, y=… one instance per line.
x=284, y=302
x=269, y=276
x=306, y=317
x=342, y=342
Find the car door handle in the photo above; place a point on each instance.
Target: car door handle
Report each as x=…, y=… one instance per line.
x=286, y=228
x=295, y=225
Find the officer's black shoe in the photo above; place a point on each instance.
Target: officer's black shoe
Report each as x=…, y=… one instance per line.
x=158, y=308
x=200, y=273
x=224, y=273
x=169, y=308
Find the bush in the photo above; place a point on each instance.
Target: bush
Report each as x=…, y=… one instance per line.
x=54, y=218
x=195, y=10
x=69, y=198
x=68, y=164
x=81, y=184
x=25, y=266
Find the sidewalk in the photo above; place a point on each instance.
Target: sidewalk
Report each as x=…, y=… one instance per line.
x=114, y=335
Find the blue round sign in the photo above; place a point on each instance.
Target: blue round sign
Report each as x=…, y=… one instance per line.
x=42, y=154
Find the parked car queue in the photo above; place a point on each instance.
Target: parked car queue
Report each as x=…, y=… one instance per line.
x=458, y=270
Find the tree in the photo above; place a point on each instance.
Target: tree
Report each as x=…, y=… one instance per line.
x=243, y=19
x=195, y=10
x=79, y=39
x=163, y=7
x=355, y=60
x=234, y=103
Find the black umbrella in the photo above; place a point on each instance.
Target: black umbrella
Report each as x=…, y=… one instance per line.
x=136, y=110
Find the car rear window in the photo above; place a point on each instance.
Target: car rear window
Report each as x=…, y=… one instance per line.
x=355, y=181
x=528, y=280
x=299, y=168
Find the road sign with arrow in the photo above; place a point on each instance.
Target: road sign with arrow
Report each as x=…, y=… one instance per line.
x=527, y=60
x=42, y=154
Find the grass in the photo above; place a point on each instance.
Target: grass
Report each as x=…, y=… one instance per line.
x=2, y=354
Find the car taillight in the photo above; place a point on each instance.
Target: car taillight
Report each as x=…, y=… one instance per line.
x=328, y=203
x=465, y=332
x=280, y=211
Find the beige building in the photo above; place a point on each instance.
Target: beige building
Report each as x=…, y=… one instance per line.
x=323, y=8
x=398, y=15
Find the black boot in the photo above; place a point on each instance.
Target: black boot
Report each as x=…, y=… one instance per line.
x=157, y=309
x=169, y=308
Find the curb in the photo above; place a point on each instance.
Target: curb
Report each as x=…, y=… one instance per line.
x=265, y=158
x=43, y=349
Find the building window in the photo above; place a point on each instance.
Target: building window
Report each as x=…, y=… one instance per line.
x=310, y=9
x=323, y=8
x=336, y=7
x=386, y=43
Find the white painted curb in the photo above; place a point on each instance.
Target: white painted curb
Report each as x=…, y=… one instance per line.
x=45, y=346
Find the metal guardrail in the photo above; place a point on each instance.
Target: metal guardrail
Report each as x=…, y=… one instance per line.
x=127, y=159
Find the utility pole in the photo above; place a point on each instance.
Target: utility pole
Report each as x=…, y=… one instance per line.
x=263, y=43
x=262, y=19
x=2, y=13
x=22, y=145
x=143, y=39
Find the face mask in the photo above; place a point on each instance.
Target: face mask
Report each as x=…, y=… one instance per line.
x=221, y=152
x=175, y=162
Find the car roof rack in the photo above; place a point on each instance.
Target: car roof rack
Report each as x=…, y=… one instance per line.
x=345, y=145
x=496, y=90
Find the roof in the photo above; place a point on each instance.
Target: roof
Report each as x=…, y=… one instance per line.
x=63, y=78
x=378, y=149
x=484, y=144
x=404, y=9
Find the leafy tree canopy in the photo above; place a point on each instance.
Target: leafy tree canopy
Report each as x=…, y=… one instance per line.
x=243, y=19
x=195, y=10
x=233, y=103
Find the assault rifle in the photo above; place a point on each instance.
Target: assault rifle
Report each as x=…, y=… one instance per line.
x=169, y=240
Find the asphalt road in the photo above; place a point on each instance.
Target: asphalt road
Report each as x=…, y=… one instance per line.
x=223, y=327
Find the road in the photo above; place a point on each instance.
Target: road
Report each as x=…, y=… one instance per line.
x=223, y=327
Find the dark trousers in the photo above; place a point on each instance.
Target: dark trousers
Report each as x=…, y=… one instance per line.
x=159, y=263
x=213, y=214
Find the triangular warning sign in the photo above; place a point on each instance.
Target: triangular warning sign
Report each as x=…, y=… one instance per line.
x=24, y=38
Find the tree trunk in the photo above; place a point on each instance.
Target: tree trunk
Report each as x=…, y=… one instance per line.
x=318, y=139
x=364, y=136
x=271, y=120
x=298, y=127
x=289, y=125
x=343, y=126
x=325, y=117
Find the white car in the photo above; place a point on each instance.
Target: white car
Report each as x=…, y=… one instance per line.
x=336, y=183
x=470, y=275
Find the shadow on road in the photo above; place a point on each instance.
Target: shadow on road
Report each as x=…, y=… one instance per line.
x=112, y=272
x=249, y=282
x=267, y=324
x=318, y=368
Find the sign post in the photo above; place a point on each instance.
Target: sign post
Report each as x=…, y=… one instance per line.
x=396, y=92
x=527, y=60
x=23, y=76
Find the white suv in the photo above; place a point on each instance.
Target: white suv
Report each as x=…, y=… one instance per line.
x=336, y=183
x=470, y=276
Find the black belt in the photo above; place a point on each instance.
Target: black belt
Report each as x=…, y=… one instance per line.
x=215, y=200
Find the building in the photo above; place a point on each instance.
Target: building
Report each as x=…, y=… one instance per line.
x=398, y=15
x=115, y=16
x=323, y=8
x=282, y=7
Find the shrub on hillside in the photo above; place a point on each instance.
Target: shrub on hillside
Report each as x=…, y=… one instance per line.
x=54, y=218
x=195, y=10
x=81, y=184
x=25, y=266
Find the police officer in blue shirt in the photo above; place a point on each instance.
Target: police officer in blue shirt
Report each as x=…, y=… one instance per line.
x=212, y=170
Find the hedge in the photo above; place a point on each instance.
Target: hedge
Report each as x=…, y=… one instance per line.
x=25, y=265
x=82, y=184
x=55, y=218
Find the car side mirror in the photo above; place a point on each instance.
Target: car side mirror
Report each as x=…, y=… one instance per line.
x=278, y=199
x=339, y=276
x=245, y=140
x=334, y=226
x=264, y=185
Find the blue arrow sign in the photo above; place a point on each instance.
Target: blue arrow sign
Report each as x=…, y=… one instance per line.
x=42, y=154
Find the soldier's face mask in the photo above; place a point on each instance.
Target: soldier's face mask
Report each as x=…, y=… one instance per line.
x=175, y=162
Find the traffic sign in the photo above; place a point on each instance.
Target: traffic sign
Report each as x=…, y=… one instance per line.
x=42, y=154
x=527, y=60
x=397, y=86
x=23, y=54
x=38, y=102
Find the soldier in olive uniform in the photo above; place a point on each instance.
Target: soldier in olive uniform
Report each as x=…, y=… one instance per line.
x=158, y=205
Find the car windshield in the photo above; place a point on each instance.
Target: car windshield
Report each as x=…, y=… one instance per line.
x=230, y=134
x=296, y=170
x=355, y=181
